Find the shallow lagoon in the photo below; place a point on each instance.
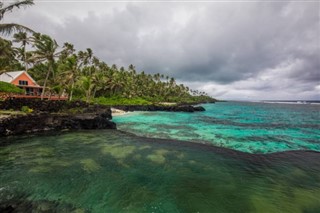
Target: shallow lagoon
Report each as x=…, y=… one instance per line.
x=112, y=171
x=244, y=126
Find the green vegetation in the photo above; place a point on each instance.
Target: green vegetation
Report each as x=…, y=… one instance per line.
x=26, y=109
x=112, y=101
x=9, y=88
x=81, y=75
x=7, y=56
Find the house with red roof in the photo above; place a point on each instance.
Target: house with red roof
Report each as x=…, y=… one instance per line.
x=24, y=81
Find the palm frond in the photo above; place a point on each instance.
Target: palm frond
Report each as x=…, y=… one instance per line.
x=7, y=29
x=13, y=5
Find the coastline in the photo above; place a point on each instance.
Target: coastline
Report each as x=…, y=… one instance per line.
x=117, y=112
x=53, y=116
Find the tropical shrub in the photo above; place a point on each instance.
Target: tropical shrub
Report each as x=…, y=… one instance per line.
x=10, y=88
x=26, y=109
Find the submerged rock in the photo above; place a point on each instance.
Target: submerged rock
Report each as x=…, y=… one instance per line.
x=44, y=206
x=199, y=108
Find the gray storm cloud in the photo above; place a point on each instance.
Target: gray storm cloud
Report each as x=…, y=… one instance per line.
x=244, y=50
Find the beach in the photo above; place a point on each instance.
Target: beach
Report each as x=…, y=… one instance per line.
x=117, y=112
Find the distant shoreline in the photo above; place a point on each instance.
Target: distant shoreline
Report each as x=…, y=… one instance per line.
x=306, y=102
x=291, y=102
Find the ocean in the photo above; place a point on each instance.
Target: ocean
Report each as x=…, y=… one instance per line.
x=234, y=157
x=252, y=127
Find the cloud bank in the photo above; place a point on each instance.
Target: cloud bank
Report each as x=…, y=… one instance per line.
x=239, y=50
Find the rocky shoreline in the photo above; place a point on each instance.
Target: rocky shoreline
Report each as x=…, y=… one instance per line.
x=52, y=116
x=49, y=122
x=178, y=108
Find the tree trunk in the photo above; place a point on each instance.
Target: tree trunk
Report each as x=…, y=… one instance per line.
x=45, y=82
x=94, y=92
x=25, y=60
x=88, y=96
x=71, y=92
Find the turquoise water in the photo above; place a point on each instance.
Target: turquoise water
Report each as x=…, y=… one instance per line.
x=243, y=126
x=112, y=171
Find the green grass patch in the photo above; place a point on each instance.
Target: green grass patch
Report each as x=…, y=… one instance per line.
x=113, y=101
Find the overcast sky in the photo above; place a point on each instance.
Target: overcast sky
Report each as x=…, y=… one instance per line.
x=232, y=50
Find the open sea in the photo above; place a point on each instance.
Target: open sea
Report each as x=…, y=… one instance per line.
x=234, y=157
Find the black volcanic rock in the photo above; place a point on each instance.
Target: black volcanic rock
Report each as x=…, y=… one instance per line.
x=199, y=108
x=64, y=106
x=46, y=122
x=184, y=108
x=64, y=115
x=178, y=108
x=52, y=106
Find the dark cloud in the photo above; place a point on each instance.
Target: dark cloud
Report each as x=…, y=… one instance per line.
x=254, y=47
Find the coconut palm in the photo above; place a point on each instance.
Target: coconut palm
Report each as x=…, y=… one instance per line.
x=46, y=50
x=68, y=51
x=87, y=84
x=70, y=71
x=23, y=38
x=8, y=28
x=8, y=55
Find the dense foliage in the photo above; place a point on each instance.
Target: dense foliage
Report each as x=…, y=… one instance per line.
x=81, y=75
x=8, y=60
x=9, y=88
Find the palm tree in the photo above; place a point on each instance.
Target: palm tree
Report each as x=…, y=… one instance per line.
x=156, y=77
x=99, y=80
x=23, y=38
x=8, y=28
x=7, y=55
x=114, y=67
x=71, y=71
x=46, y=50
x=87, y=84
x=68, y=50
